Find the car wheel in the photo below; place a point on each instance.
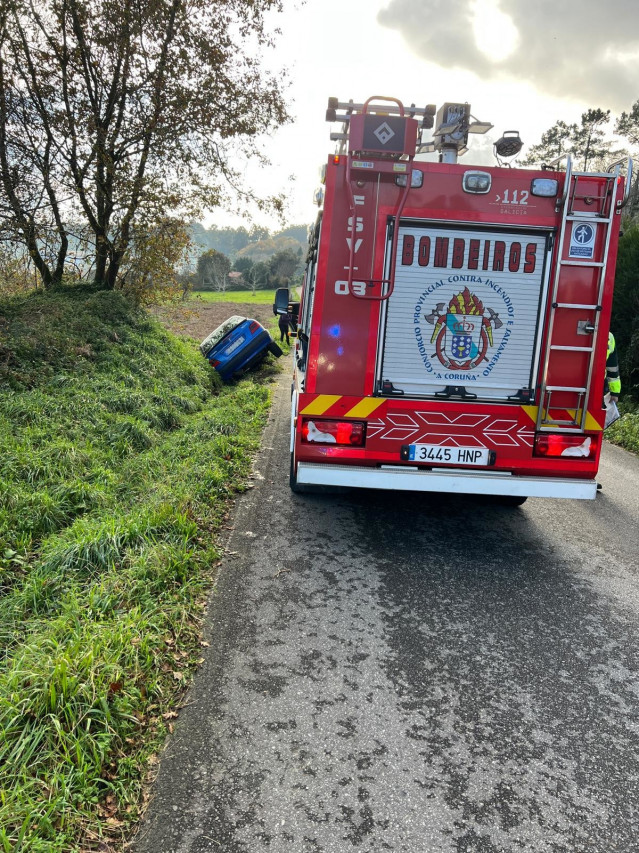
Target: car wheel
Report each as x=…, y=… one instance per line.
x=275, y=349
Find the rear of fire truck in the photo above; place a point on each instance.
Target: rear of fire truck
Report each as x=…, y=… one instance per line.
x=453, y=322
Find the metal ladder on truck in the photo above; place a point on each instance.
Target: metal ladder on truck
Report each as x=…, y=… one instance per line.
x=608, y=205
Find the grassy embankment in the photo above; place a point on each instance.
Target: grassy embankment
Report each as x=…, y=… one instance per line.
x=119, y=454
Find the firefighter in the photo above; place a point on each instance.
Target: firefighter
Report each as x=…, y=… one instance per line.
x=612, y=384
x=284, y=323
x=613, y=380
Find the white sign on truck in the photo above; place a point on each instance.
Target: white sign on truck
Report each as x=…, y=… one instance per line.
x=464, y=310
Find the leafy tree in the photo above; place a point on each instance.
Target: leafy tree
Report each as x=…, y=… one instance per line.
x=554, y=143
x=212, y=271
x=14, y=273
x=588, y=143
x=263, y=250
x=628, y=124
x=283, y=265
x=625, y=310
x=149, y=267
x=585, y=141
x=258, y=233
x=243, y=265
x=116, y=114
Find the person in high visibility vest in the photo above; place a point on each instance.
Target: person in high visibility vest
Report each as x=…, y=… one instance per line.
x=613, y=380
x=612, y=384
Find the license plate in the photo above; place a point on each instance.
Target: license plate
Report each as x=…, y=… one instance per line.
x=448, y=455
x=234, y=346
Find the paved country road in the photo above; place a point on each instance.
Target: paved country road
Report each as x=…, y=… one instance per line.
x=395, y=672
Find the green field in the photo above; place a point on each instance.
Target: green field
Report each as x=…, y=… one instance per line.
x=260, y=297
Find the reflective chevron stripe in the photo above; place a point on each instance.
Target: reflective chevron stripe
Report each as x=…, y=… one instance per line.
x=591, y=424
x=320, y=404
x=342, y=407
x=364, y=408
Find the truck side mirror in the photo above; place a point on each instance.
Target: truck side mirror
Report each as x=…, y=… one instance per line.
x=280, y=306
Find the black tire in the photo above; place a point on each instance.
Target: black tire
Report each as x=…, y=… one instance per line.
x=275, y=349
x=512, y=500
x=298, y=488
x=292, y=478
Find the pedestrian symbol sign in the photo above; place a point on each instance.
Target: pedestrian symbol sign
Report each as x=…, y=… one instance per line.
x=582, y=240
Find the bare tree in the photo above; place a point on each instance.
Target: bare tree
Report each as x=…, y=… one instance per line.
x=116, y=115
x=212, y=270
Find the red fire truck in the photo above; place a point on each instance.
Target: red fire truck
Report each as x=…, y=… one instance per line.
x=453, y=325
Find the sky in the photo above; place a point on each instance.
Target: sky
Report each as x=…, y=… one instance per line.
x=521, y=64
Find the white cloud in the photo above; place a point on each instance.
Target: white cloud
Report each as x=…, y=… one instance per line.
x=578, y=48
x=520, y=64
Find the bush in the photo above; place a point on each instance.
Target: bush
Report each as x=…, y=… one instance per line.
x=625, y=431
x=625, y=311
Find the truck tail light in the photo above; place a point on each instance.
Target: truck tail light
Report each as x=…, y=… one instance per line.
x=344, y=433
x=563, y=444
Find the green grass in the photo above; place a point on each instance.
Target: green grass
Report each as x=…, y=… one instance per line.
x=625, y=431
x=260, y=297
x=120, y=451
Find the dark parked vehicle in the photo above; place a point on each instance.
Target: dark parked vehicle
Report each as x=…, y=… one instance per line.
x=237, y=344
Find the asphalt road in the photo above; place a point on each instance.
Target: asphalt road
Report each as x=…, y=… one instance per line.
x=413, y=673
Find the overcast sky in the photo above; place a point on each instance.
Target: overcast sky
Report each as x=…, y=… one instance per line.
x=521, y=64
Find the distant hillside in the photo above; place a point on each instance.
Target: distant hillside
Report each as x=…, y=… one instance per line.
x=234, y=242
x=265, y=249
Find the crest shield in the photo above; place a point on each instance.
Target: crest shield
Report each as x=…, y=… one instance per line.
x=463, y=336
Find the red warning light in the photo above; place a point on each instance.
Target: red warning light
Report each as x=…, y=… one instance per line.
x=334, y=432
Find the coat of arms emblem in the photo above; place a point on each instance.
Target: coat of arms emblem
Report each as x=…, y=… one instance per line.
x=463, y=331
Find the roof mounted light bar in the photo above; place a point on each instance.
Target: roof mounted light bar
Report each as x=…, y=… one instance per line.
x=351, y=107
x=453, y=123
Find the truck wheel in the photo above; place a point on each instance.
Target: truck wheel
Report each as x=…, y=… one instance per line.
x=292, y=478
x=512, y=500
x=297, y=488
x=275, y=349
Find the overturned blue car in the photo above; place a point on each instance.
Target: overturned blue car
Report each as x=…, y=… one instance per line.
x=237, y=344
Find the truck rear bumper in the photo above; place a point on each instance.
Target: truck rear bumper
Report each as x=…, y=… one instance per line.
x=403, y=478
